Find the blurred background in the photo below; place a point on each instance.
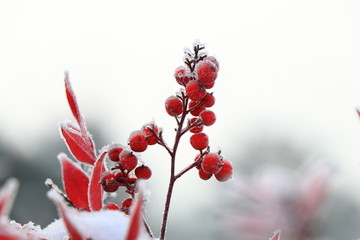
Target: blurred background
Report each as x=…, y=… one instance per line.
x=286, y=96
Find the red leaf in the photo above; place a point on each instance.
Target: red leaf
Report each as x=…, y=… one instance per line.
x=89, y=144
x=72, y=99
x=75, y=181
x=80, y=149
x=73, y=232
x=276, y=235
x=135, y=218
x=95, y=190
x=7, y=196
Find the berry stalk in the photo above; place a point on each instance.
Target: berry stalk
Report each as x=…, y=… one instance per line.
x=196, y=77
x=173, y=178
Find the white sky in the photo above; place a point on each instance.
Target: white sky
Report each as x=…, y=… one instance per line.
x=288, y=66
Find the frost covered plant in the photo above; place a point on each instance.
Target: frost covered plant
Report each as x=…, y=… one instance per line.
x=86, y=183
x=90, y=178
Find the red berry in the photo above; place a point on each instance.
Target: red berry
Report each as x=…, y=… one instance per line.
x=225, y=172
x=182, y=75
x=150, y=130
x=208, y=100
x=108, y=182
x=208, y=85
x=197, y=128
x=143, y=172
x=128, y=160
x=137, y=141
x=114, y=150
x=203, y=175
x=199, y=141
x=196, y=108
x=208, y=117
x=132, y=180
x=173, y=106
x=195, y=90
x=207, y=73
x=112, y=206
x=213, y=60
x=211, y=163
x=125, y=205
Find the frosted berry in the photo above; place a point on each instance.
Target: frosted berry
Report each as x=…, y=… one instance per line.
x=128, y=160
x=182, y=75
x=195, y=90
x=225, y=172
x=125, y=205
x=196, y=108
x=137, y=141
x=213, y=60
x=207, y=73
x=173, y=106
x=143, y=172
x=108, y=182
x=197, y=128
x=208, y=85
x=208, y=117
x=203, y=175
x=132, y=180
x=150, y=130
x=208, y=100
x=114, y=150
x=112, y=206
x=211, y=163
x=199, y=141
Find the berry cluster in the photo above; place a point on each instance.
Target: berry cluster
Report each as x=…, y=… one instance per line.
x=191, y=110
x=210, y=164
x=197, y=76
x=127, y=170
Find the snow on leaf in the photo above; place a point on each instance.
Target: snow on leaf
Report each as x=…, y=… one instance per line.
x=75, y=181
x=276, y=236
x=136, y=217
x=95, y=190
x=73, y=232
x=8, y=233
x=29, y=231
x=107, y=224
x=7, y=196
x=78, y=146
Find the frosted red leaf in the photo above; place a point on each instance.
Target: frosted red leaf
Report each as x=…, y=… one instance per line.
x=75, y=181
x=86, y=137
x=276, y=235
x=7, y=195
x=135, y=218
x=77, y=145
x=95, y=191
x=72, y=100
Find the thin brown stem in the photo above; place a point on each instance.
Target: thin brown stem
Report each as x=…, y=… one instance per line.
x=173, y=178
x=180, y=131
x=147, y=228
